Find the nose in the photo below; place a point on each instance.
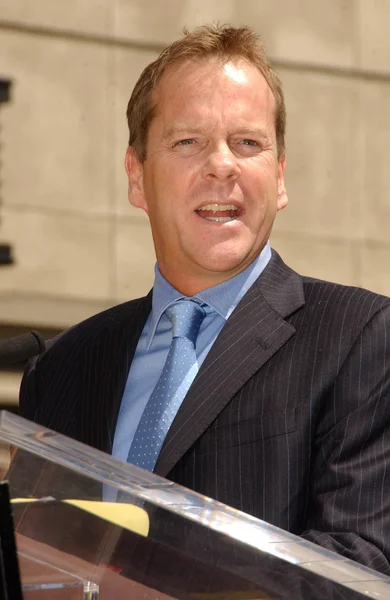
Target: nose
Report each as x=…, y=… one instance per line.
x=221, y=163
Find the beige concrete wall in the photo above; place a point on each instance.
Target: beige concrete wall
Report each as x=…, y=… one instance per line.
x=78, y=245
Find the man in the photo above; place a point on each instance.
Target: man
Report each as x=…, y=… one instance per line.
x=288, y=416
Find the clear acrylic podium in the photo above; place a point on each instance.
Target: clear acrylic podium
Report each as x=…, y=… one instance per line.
x=90, y=527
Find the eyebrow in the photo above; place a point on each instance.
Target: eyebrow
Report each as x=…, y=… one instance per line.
x=253, y=132
x=178, y=130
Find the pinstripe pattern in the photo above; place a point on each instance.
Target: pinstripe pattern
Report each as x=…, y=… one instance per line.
x=288, y=418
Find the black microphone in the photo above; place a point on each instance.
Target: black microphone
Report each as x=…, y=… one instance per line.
x=21, y=347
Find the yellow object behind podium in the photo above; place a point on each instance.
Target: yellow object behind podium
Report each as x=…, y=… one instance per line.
x=128, y=516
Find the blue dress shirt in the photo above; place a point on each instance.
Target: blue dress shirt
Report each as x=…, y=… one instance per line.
x=153, y=346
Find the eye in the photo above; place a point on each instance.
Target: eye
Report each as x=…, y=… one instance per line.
x=186, y=142
x=247, y=142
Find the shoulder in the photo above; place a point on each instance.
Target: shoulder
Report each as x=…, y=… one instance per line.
x=83, y=334
x=342, y=314
x=318, y=299
x=343, y=299
x=63, y=359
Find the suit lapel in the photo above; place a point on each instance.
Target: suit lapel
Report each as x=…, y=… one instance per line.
x=253, y=333
x=113, y=349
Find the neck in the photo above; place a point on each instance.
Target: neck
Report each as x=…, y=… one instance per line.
x=190, y=285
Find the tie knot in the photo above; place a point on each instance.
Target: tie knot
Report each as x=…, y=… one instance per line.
x=186, y=317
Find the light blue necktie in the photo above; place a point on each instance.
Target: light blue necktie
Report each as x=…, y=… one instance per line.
x=176, y=377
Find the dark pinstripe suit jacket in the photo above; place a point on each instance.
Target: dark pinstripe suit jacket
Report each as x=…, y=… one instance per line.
x=287, y=419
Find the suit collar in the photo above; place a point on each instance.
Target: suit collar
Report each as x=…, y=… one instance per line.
x=116, y=341
x=252, y=335
x=281, y=287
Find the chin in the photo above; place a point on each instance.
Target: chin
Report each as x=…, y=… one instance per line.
x=225, y=264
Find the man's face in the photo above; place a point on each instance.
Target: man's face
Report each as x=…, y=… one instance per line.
x=211, y=182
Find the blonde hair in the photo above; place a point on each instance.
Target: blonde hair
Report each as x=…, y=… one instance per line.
x=209, y=41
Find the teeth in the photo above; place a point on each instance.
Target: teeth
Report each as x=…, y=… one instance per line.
x=221, y=219
x=218, y=207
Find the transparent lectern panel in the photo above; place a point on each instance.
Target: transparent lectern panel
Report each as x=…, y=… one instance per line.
x=83, y=518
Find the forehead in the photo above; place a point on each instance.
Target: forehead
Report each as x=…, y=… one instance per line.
x=209, y=78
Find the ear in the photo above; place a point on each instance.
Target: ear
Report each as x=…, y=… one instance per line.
x=135, y=173
x=282, y=194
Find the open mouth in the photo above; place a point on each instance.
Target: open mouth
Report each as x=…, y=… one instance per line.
x=222, y=213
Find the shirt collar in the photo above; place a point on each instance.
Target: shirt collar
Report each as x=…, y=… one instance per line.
x=222, y=298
